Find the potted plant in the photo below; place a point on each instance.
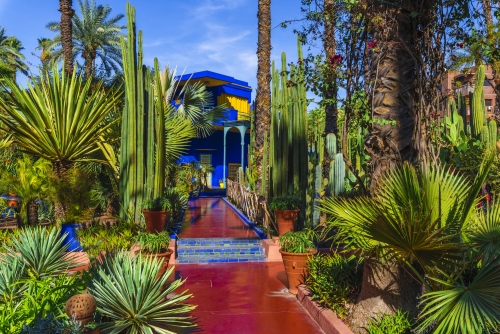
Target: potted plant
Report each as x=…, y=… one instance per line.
x=156, y=246
x=155, y=213
x=296, y=248
x=286, y=210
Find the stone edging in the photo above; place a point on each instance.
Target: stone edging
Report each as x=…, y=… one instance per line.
x=326, y=318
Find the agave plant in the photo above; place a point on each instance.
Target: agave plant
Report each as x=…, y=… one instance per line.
x=131, y=299
x=418, y=222
x=60, y=118
x=42, y=252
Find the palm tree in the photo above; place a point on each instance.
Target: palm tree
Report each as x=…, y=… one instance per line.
x=66, y=37
x=263, y=97
x=412, y=229
x=44, y=46
x=393, y=78
x=11, y=59
x=330, y=89
x=60, y=120
x=95, y=36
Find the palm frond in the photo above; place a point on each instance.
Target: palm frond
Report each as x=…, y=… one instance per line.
x=464, y=308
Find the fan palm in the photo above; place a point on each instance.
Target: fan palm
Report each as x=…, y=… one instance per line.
x=415, y=223
x=95, y=36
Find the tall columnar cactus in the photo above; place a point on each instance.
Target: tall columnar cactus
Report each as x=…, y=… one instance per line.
x=493, y=134
x=462, y=106
x=289, y=156
x=339, y=175
x=485, y=136
x=142, y=156
x=477, y=105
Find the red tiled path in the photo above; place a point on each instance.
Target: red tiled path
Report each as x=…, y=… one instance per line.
x=243, y=298
x=213, y=218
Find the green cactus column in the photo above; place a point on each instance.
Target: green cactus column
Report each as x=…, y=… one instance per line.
x=142, y=156
x=288, y=134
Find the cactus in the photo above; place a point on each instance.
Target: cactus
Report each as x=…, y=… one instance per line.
x=484, y=136
x=289, y=158
x=143, y=155
x=493, y=132
x=477, y=105
x=331, y=144
x=340, y=170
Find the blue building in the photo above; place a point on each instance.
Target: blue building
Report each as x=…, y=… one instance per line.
x=227, y=148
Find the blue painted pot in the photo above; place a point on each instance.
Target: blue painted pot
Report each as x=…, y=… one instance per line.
x=71, y=238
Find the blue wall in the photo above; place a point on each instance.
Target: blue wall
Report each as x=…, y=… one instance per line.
x=214, y=145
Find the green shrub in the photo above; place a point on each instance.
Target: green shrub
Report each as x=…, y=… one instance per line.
x=390, y=324
x=178, y=199
x=154, y=243
x=298, y=242
x=97, y=238
x=334, y=281
x=156, y=204
x=285, y=203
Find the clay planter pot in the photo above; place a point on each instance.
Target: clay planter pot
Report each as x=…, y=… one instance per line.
x=155, y=220
x=296, y=268
x=162, y=256
x=286, y=220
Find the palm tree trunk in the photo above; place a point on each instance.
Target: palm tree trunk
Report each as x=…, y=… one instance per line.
x=89, y=57
x=330, y=91
x=393, y=89
x=61, y=169
x=67, y=12
x=32, y=208
x=263, y=96
x=385, y=289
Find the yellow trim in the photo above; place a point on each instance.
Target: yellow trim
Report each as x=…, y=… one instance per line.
x=237, y=103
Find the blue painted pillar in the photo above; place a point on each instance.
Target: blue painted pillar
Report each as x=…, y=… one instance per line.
x=226, y=129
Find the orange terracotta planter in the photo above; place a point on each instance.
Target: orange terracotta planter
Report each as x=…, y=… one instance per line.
x=165, y=257
x=286, y=220
x=296, y=268
x=155, y=220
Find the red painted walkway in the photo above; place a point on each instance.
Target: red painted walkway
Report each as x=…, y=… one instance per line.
x=244, y=298
x=212, y=218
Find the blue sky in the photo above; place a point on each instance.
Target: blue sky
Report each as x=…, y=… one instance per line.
x=219, y=36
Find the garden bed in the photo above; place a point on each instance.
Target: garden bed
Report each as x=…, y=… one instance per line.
x=326, y=318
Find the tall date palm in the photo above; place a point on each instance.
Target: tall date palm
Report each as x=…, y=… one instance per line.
x=96, y=35
x=67, y=12
x=263, y=97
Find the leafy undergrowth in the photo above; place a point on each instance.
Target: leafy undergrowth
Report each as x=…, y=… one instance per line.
x=391, y=324
x=335, y=281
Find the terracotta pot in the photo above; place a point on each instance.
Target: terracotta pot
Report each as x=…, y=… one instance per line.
x=286, y=220
x=296, y=268
x=155, y=220
x=162, y=256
